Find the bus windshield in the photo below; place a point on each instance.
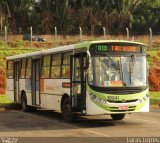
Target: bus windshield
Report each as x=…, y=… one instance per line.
x=121, y=71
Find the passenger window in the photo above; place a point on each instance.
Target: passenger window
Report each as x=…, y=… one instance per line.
x=56, y=66
x=77, y=69
x=10, y=69
x=66, y=65
x=46, y=66
x=28, y=68
x=23, y=68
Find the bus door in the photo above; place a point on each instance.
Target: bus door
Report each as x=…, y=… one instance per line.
x=16, y=80
x=78, y=83
x=35, y=82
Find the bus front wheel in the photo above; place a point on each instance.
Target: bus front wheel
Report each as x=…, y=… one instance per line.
x=66, y=111
x=117, y=116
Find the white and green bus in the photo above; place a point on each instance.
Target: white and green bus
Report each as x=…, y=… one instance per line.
x=89, y=78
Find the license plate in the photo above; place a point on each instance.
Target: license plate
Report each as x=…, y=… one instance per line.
x=124, y=107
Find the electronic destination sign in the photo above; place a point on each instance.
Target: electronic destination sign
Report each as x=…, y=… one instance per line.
x=107, y=47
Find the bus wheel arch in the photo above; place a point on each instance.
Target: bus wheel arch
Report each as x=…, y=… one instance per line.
x=24, y=101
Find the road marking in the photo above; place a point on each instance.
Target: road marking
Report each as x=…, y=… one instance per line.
x=57, y=121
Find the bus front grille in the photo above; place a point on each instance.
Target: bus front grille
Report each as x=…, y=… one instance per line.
x=126, y=101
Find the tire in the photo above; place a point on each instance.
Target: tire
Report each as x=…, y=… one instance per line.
x=66, y=111
x=117, y=116
x=24, y=103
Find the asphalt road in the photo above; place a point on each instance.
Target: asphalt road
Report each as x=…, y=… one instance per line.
x=43, y=123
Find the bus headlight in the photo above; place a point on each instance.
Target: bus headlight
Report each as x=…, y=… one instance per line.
x=140, y=100
x=144, y=98
x=97, y=99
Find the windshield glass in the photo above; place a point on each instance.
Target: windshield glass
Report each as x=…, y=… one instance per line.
x=117, y=71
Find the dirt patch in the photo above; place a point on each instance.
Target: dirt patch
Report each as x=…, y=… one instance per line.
x=154, y=79
x=2, y=82
x=154, y=106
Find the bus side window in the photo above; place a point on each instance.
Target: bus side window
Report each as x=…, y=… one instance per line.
x=10, y=69
x=23, y=68
x=28, y=68
x=77, y=69
x=66, y=65
x=46, y=66
x=56, y=66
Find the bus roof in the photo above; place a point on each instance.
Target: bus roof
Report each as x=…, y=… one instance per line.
x=42, y=52
x=68, y=47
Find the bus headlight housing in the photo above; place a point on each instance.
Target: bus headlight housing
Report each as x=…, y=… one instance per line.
x=143, y=99
x=140, y=100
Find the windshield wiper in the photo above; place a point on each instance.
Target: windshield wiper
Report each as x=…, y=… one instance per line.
x=131, y=64
x=114, y=63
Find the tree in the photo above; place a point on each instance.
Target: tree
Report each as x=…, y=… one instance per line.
x=146, y=16
x=91, y=15
x=20, y=14
x=4, y=12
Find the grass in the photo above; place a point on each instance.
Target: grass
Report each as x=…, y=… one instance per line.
x=9, y=50
x=153, y=55
x=4, y=101
x=154, y=97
